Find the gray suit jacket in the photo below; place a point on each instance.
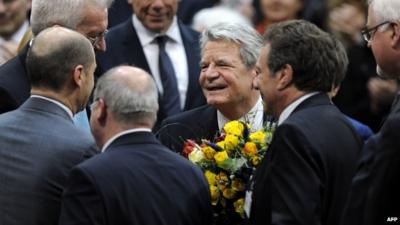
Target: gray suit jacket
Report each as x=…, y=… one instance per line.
x=39, y=144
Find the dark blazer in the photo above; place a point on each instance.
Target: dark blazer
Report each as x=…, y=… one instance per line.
x=15, y=86
x=374, y=196
x=124, y=47
x=136, y=181
x=307, y=171
x=39, y=145
x=194, y=124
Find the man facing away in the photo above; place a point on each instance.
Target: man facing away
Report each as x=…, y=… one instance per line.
x=88, y=17
x=306, y=173
x=135, y=180
x=39, y=143
x=229, y=54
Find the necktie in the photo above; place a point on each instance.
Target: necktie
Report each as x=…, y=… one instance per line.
x=170, y=101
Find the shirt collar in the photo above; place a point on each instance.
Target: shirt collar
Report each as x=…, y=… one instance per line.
x=109, y=141
x=254, y=117
x=290, y=108
x=64, y=107
x=147, y=37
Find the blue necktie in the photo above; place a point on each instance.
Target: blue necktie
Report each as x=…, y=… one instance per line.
x=81, y=120
x=170, y=101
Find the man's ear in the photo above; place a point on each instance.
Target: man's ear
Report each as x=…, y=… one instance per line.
x=100, y=112
x=284, y=77
x=78, y=75
x=395, y=42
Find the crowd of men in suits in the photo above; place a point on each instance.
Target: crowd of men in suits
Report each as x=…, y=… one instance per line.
x=316, y=170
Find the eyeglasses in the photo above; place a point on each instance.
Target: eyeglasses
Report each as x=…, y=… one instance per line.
x=95, y=40
x=368, y=32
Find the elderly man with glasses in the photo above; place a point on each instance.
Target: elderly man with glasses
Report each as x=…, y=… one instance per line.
x=88, y=17
x=375, y=196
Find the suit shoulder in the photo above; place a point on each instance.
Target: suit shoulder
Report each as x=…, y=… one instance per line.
x=189, y=115
x=120, y=29
x=9, y=70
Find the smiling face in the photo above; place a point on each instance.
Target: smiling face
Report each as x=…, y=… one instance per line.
x=224, y=78
x=155, y=15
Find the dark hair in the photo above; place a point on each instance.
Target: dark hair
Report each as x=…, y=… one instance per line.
x=51, y=67
x=317, y=58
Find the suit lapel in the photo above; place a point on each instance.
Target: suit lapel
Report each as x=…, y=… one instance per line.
x=21, y=77
x=133, y=49
x=209, y=124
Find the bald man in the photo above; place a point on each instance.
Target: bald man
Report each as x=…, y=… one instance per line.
x=39, y=143
x=135, y=180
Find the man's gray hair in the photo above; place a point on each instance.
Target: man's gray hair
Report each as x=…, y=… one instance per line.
x=128, y=103
x=249, y=41
x=67, y=13
x=385, y=10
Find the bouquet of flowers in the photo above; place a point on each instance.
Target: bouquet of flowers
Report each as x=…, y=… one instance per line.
x=227, y=163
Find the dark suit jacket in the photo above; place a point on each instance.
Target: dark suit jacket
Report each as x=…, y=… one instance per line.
x=124, y=47
x=194, y=124
x=374, y=195
x=307, y=171
x=39, y=145
x=15, y=86
x=136, y=181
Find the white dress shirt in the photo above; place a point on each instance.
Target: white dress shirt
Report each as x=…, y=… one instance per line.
x=175, y=50
x=290, y=108
x=254, y=117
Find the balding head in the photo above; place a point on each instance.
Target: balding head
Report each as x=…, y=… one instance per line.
x=130, y=94
x=54, y=54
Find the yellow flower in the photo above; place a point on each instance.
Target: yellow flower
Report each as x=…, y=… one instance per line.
x=234, y=127
x=249, y=149
x=231, y=141
x=214, y=194
x=210, y=177
x=239, y=206
x=258, y=137
x=220, y=157
x=221, y=144
x=255, y=160
x=196, y=155
x=228, y=193
x=238, y=185
x=209, y=152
